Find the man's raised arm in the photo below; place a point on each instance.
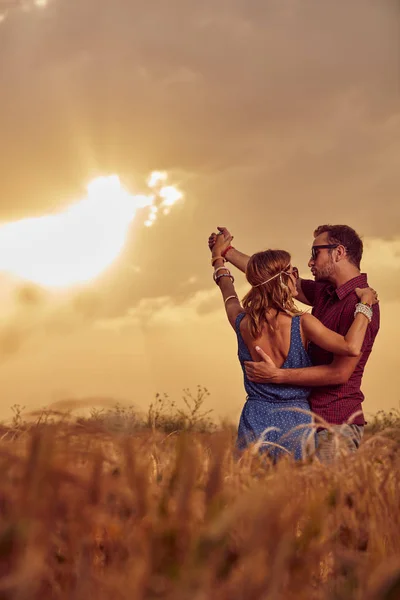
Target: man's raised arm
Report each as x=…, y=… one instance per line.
x=237, y=259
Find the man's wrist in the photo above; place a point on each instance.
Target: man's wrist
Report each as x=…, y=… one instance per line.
x=228, y=251
x=274, y=378
x=279, y=376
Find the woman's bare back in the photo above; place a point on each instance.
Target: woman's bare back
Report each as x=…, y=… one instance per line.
x=275, y=343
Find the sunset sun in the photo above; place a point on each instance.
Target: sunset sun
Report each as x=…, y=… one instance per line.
x=78, y=244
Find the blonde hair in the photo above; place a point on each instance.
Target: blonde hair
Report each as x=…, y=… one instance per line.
x=267, y=293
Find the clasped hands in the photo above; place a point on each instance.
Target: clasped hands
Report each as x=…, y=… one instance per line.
x=218, y=242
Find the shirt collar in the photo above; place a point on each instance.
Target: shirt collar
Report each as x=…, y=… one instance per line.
x=348, y=287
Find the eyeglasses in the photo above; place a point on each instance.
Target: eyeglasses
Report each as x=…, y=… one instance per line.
x=315, y=249
x=295, y=272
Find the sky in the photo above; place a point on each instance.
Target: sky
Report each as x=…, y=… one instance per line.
x=273, y=116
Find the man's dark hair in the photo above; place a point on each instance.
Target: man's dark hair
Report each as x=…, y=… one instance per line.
x=347, y=237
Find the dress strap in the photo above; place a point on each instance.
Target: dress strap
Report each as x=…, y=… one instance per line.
x=244, y=353
x=296, y=325
x=295, y=334
x=238, y=320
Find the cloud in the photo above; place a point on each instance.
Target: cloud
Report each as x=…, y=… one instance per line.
x=382, y=254
x=382, y=262
x=141, y=82
x=151, y=313
x=8, y=7
x=29, y=295
x=11, y=340
x=287, y=123
x=28, y=310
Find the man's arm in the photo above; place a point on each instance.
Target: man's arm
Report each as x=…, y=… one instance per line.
x=337, y=372
x=237, y=259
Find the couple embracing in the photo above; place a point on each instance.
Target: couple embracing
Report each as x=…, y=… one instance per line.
x=293, y=361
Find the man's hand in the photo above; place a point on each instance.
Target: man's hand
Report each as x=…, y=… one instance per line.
x=226, y=236
x=265, y=371
x=221, y=245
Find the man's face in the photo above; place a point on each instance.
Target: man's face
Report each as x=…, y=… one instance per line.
x=322, y=266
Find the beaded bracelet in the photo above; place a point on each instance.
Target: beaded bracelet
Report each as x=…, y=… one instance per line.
x=219, y=269
x=224, y=275
x=360, y=306
x=364, y=310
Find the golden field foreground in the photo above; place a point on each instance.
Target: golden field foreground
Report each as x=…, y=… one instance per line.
x=89, y=510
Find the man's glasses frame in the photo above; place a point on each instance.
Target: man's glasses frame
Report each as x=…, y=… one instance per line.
x=315, y=249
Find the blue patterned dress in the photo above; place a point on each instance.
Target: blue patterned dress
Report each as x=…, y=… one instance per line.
x=269, y=405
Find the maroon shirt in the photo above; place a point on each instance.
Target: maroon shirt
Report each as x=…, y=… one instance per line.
x=334, y=307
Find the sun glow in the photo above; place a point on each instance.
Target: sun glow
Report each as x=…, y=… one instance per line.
x=10, y=6
x=78, y=244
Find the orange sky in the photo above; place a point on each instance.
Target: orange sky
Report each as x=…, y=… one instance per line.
x=274, y=117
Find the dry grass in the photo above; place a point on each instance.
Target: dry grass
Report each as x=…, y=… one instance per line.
x=88, y=513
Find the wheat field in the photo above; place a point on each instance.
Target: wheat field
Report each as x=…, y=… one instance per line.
x=93, y=511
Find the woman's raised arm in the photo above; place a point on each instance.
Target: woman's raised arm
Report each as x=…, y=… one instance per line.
x=225, y=280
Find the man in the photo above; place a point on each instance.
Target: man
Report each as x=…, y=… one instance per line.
x=336, y=395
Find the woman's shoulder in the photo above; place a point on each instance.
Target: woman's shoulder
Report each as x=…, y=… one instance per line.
x=307, y=319
x=306, y=316
x=308, y=325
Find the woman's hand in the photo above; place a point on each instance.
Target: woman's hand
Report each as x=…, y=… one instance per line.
x=218, y=242
x=367, y=295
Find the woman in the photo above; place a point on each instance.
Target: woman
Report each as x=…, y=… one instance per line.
x=278, y=416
